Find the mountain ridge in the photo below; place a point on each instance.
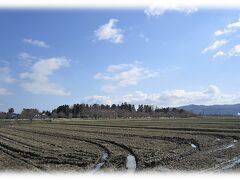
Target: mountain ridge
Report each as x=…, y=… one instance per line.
x=218, y=109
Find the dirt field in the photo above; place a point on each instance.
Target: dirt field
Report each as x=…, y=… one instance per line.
x=206, y=145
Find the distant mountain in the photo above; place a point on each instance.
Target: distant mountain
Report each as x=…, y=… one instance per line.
x=213, y=109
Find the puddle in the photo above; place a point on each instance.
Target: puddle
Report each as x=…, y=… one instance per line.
x=102, y=162
x=224, y=147
x=232, y=163
x=227, y=165
x=194, y=146
x=98, y=167
x=229, y=146
x=104, y=156
x=131, y=163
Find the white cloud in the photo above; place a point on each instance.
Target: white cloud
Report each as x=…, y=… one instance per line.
x=25, y=56
x=45, y=67
x=219, y=53
x=5, y=75
x=213, y=90
x=4, y=91
x=38, y=43
x=230, y=28
x=154, y=11
x=210, y=95
x=123, y=75
x=222, y=32
x=157, y=10
x=217, y=44
x=46, y=88
x=118, y=67
x=235, y=51
x=37, y=80
x=26, y=59
x=110, y=32
x=233, y=27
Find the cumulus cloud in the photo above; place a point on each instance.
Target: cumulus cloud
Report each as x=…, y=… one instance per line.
x=215, y=45
x=46, y=88
x=154, y=10
x=219, y=53
x=118, y=67
x=123, y=75
x=232, y=51
x=37, y=43
x=232, y=27
x=5, y=76
x=221, y=32
x=235, y=51
x=37, y=79
x=24, y=55
x=26, y=59
x=110, y=32
x=178, y=97
x=44, y=67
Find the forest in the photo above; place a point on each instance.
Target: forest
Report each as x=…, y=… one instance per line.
x=97, y=111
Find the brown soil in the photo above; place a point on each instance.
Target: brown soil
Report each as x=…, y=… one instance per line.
x=157, y=144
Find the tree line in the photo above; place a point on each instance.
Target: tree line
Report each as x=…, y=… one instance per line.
x=97, y=111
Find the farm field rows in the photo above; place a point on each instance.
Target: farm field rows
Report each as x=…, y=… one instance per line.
x=190, y=144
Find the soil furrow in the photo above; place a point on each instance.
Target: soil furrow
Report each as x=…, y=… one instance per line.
x=68, y=137
x=177, y=140
x=149, y=127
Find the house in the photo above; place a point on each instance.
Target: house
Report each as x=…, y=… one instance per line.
x=40, y=116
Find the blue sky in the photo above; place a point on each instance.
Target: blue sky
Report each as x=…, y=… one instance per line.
x=167, y=57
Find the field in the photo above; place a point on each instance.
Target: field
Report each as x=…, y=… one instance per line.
x=161, y=145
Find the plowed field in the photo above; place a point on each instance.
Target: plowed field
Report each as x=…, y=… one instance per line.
x=193, y=144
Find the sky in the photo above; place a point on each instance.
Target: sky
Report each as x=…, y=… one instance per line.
x=163, y=57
